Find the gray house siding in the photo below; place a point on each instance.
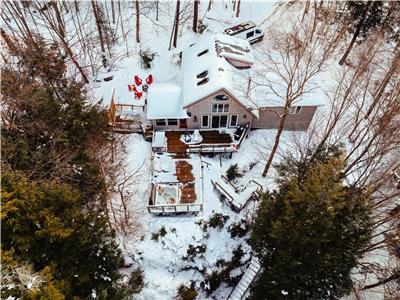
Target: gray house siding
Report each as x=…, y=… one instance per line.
x=204, y=108
x=269, y=120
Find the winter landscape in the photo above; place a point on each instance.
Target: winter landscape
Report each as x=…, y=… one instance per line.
x=200, y=149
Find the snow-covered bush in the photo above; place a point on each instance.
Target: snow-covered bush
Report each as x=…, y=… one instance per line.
x=218, y=220
x=203, y=224
x=136, y=282
x=161, y=233
x=216, y=278
x=193, y=251
x=146, y=58
x=187, y=293
x=233, y=172
x=239, y=229
x=201, y=27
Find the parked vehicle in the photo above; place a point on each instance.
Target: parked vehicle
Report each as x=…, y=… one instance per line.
x=247, y=31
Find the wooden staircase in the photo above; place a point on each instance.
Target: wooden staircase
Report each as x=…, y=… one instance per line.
x=242, y=287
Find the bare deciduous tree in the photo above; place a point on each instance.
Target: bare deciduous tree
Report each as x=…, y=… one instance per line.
x=294, y=56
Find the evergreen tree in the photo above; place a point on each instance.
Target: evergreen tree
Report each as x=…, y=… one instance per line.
x=307, y=233
x=52, y=216
x=43, y=223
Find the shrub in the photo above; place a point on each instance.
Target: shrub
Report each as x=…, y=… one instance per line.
x=187, y=293
x=233, y=172
x=136, y=282
x=239, y=229
x=218, y=220
x=155, y=235
x=192, y=251
x=201, y=27
x=216, y=278
x=203, y=224
x=146, y=58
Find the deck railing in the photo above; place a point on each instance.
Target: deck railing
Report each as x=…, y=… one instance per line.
x=212, y=148
x=155, y=209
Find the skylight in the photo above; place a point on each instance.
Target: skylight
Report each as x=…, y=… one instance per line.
x=202, y=74
x=202, y=52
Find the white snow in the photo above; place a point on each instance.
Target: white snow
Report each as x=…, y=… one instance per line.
x=207, y=56
x=165, y=102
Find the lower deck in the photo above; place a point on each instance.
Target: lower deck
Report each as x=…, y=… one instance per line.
x=175, y=188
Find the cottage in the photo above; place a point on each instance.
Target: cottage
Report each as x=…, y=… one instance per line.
x=213, y=92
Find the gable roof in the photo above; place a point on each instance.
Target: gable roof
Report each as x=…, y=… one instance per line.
x=206, y=70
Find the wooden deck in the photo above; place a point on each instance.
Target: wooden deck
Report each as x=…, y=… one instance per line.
x=174, y=144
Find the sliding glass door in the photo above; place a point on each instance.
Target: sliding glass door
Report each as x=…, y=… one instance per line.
x=219, y=121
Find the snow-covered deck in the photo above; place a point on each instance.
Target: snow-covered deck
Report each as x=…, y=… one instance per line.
x=212, y=141
x=176, y=184
x=238, y=196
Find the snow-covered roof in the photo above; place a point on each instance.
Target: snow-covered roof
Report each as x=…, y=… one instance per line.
x=159, y=139
x=164, y=101
x=206, y=70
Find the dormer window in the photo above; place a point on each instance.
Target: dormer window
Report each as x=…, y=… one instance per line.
x=202, y=74
x=202, y=52
x=221, y=98
x=203, y=81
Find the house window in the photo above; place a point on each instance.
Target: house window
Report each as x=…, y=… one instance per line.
x=249, y=34
x=233, y=121
x=189, y=114
x=161, y=122
x=204, y=121
x=295, y=110
x=202, y=52
x=203, y=81
x=219, y=108
x=221, y=98
x=172, y=122
x=202, y=74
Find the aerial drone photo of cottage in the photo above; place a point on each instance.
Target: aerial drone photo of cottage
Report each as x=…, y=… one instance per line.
x=201, y=149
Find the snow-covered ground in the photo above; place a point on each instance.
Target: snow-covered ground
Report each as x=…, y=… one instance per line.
x=162, y=260
x=163, y=257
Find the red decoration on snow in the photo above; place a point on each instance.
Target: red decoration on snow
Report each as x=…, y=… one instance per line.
x=149, y=79
x=138, y=81
x=132, y=87
x=138, y=95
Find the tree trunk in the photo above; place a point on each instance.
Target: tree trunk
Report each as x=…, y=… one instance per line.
x=176, y=23
x=156, y=10
x=113, y=11
x=277, y=139
x=355, y=35
x=238, y=9
x=137, y=22
x=195, y=15
x=96, y=16
x=76, y=6
x=61, y=25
